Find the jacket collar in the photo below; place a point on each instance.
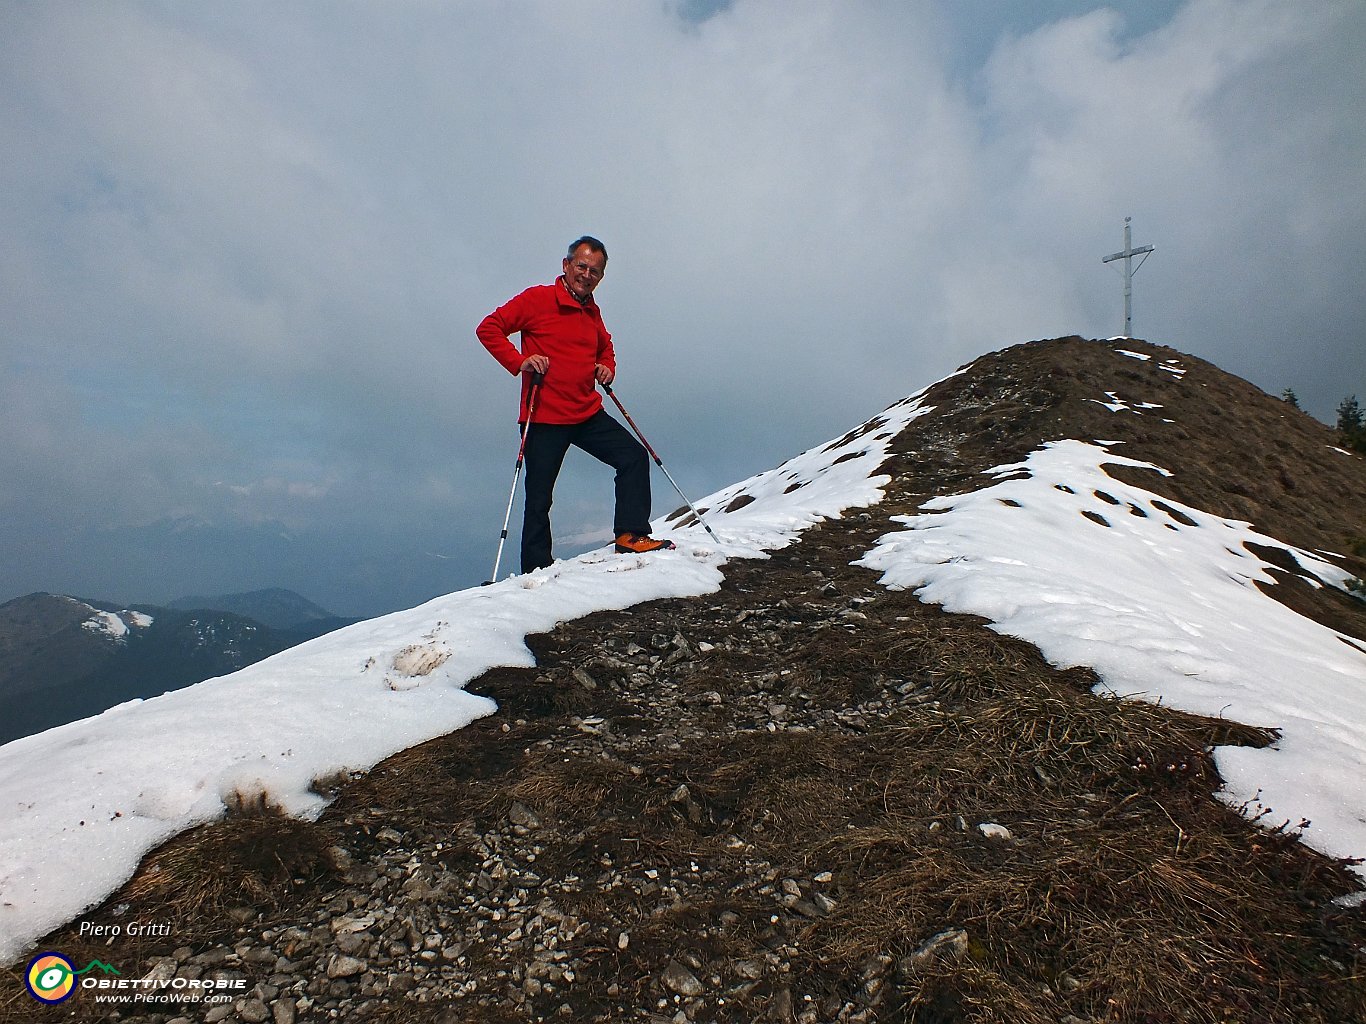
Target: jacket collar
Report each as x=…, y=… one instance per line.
x=567, y=297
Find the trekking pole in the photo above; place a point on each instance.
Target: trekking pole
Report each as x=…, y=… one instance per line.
x=536, y=379
x=659, y=462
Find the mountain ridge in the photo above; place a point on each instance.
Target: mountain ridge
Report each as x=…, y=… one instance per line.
x=808, y=797
x=64, y=658
x=275, y=607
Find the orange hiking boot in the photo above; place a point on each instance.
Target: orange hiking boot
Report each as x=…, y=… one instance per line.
x=640, y=543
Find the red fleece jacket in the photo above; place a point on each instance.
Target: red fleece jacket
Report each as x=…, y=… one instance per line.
x=554, y=323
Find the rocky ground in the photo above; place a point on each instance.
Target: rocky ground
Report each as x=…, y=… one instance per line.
x=804, y=798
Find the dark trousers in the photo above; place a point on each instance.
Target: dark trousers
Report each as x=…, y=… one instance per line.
x=607, y=441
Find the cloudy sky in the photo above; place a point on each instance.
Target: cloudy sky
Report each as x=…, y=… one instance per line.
x=245, y=246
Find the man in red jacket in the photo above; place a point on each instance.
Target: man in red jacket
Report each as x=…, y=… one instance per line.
x=563, y=338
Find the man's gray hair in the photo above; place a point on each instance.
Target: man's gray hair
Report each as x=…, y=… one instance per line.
x=593, y=246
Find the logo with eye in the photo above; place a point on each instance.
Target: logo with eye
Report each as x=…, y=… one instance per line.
x=51, y=978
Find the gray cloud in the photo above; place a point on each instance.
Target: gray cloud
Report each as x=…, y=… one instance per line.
x=247, y=245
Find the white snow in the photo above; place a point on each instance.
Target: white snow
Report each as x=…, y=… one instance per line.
x=81, y=804
x=1117, y=404
x=1159, y=599
x=107, y=623
x=116, y=625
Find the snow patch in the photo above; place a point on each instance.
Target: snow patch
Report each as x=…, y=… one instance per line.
x=115, y=625
x=1117, y=404
x=107, y=623
x=1161, y=600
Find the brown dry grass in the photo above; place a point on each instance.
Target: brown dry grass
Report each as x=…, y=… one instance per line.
x=253, y=862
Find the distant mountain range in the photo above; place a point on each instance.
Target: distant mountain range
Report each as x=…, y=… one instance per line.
x=276, y=608
x=65, y=658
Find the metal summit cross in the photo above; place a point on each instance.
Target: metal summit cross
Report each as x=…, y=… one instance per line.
x=1127, y=254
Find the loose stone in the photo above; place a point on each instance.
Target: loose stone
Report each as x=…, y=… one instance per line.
x=677, y=978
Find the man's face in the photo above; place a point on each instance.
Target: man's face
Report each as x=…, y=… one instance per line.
x=583, y=270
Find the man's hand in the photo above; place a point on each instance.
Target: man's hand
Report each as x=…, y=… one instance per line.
x=537, y=363
x=603, y=374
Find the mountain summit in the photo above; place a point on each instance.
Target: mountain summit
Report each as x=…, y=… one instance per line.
x=1035, y=697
